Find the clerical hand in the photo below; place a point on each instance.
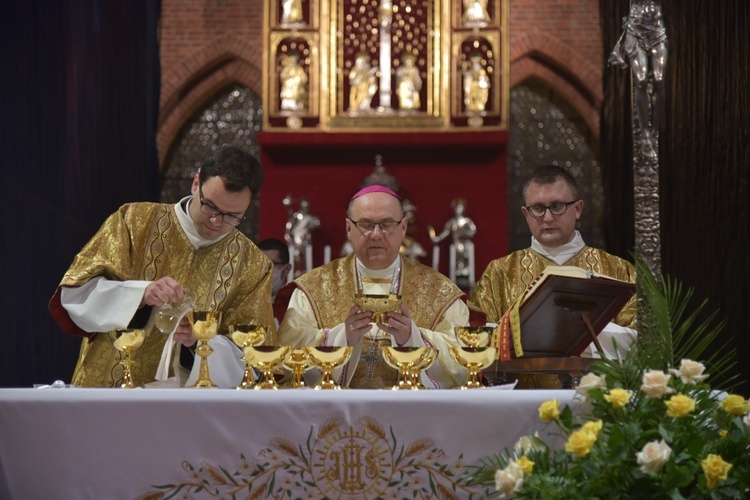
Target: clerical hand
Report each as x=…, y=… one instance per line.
x=399, y=325
x=163, y=290
x=184, y=333
x=357, y=324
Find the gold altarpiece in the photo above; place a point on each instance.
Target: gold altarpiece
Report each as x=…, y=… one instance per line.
x=348, y=65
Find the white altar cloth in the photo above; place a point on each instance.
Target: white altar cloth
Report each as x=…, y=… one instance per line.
x=118, y=443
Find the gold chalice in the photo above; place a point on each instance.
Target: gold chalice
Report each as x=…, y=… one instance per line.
x=474, y=336
x=327, y=358
x=127, y=341
x=266, y=358
x=205, y=326
x=247, y=335
x=409, y=361
x=474, y=359
x=298, y=361
x=379, y=305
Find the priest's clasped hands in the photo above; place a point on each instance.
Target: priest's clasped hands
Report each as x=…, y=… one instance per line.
x=166, y=290
x=358, y=323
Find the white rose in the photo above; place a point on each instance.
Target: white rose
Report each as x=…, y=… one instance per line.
x=690, y=372
x=508, y=480
x=588, y=382
x=655, y=384
x=653, y=456
x=523, y=445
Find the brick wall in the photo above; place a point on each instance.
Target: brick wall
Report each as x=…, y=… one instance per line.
x=206, y=44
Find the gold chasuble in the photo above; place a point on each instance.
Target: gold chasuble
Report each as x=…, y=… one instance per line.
x=506, y=278
x=144, y=241
x=330, y=290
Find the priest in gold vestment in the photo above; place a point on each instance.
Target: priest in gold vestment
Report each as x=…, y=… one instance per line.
x=149, y=254
x=321, y=309
x=552, y=207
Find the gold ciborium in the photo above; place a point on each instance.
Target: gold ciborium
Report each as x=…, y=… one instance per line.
x=298, y=361
x=205, y=326
x=266, y=359
x=127, y=341
x=379, y=305
x=409, y=361
x=327, y=358
x=474, y=336
x=247, y=335
x=474, y=359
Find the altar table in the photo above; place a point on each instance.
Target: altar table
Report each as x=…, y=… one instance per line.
x=78, y=443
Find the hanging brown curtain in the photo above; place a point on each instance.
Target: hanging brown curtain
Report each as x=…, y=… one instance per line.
x=704, y=156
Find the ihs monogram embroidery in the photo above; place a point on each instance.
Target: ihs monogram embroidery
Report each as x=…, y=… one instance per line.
x=338, y=461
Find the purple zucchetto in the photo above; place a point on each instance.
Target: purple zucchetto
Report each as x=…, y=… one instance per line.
x=376, y=188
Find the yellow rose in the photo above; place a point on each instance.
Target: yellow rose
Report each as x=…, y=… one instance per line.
x=618, y=397
x=592, y=427
x=735, y=404
x=715, y=469
x=679, y=406
x=526, y=465
x=580, y=442
x=723, y=433
x=549, y=410
x=655, y=384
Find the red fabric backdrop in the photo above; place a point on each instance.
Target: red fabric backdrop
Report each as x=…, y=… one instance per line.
x=431, y=168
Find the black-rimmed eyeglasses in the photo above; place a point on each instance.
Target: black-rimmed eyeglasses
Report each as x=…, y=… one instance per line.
x=214, y=212
x=538, y=211
x=366, y=227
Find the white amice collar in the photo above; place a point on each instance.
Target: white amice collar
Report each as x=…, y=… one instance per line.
x=562, y=254
x=386, y=273
x=182, y=209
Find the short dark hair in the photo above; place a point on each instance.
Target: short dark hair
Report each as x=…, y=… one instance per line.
x=236, y=167
x=278, y=245
x=549, y=174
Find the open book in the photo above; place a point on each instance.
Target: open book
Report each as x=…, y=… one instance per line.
x=564, y=310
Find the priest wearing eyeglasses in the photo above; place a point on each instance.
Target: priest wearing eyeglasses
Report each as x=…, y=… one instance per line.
x=149, y=254
x=551, y=208
x=322, y=312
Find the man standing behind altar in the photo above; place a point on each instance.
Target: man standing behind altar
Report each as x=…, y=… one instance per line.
x=322, y=312
x=149, y=254
x=551, y=207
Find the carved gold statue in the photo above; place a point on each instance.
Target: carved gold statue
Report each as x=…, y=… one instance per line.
x=408, y=83
x=476, y=84
x=291, y=12
x=293, y=79
x=475, y=13
x=362, y=83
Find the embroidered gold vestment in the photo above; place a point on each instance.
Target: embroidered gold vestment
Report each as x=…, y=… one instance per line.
x=144, y=241
x=330, y=291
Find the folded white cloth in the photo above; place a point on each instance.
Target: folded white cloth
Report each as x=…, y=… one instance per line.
x=225, y=365
x=612, y=332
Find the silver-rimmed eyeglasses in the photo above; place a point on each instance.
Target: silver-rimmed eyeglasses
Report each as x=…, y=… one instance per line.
x=214, y=212
x=366, y=227
x=560, y=208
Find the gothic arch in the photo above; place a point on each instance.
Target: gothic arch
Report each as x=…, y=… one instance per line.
x=561, y=68
x=223, y=62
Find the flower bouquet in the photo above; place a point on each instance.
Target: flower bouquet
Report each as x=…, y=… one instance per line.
x=647, y=425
